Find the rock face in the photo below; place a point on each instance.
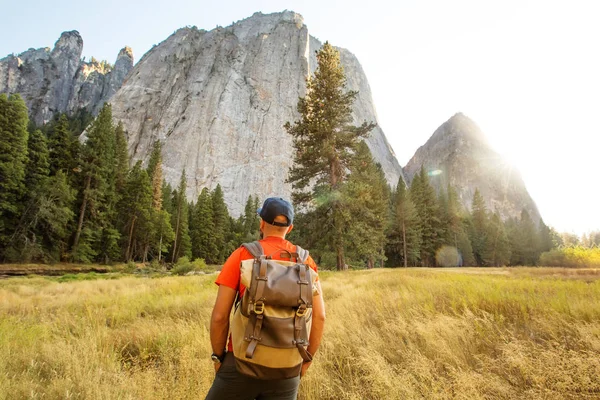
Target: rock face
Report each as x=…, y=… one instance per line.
x=57, y=80
x=218, y=101
x=460, y=155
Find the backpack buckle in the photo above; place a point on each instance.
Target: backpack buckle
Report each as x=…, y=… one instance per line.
x=301, y=311
x=259, y=308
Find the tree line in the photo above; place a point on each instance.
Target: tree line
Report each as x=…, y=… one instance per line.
x=63, y=200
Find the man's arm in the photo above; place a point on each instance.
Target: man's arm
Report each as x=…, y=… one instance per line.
x=219, y=321
x=318, y=324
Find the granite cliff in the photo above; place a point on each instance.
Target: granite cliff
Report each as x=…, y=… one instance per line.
x=460, y=155
x=218, y=100
x=58, y=80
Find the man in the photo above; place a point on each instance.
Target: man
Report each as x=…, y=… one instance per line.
x=277, y=216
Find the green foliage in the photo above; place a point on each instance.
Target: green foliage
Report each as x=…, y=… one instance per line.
x=184, y=266
x=13, y=159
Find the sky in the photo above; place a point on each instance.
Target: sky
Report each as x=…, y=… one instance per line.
x=526, y=71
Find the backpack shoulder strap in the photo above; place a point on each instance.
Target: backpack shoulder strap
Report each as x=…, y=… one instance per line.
x=302, y=254
x=254, y=248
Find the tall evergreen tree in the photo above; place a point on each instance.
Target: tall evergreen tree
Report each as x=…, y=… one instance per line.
x=456, y=234
x=135, y=212
x=480, y=218
x=122, y=159
x=98, y=205
x=251, y=220
x=63, y=152
x=423, y=196
x=221, y=224
x=365, y=197
x=496, y=251
x=203, y=239
x=325, y=141
x=13, y=158
x=182, y=245
x=404, y=235
x=524, y=241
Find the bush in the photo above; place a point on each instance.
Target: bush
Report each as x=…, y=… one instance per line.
x=571, y=257
x=183, y=266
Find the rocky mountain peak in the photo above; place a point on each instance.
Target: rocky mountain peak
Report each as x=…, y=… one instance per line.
x=461, y=156
x=70, y=41
x=58, y=80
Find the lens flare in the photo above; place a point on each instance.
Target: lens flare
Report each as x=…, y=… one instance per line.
x=448, y=256
x=435, y=172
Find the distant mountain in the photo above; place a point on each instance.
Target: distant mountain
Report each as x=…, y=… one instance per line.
x=58, y=80
x=459, y=153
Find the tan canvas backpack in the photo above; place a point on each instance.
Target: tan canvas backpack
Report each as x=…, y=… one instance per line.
x=271, y=323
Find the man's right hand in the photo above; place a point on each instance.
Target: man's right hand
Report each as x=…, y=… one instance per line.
x=305, y=366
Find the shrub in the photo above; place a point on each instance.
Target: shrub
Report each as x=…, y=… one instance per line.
x=571, y=257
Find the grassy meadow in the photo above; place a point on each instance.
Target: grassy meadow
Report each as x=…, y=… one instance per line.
x=390, y=334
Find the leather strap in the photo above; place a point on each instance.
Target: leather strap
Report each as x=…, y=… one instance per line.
x=299, y=321
x=253, y=329
x=255, y=333
x=305, y=299
x=254, y=248
x=302, y=254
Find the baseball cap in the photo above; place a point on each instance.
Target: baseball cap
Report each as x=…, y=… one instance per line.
x=274, y=206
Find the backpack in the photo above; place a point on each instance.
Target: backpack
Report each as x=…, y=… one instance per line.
x=271, y=322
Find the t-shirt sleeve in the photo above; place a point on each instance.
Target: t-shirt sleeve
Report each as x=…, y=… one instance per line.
x=230, y=273
x=313, y=265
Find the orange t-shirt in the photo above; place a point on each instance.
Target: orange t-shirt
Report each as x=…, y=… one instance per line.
x=230, y=273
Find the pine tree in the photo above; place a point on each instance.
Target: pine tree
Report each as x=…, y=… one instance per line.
x=423, y=196
x=456, y=234
x=251, y=220
x=63, y=153
x=480, y=218
x=181, y=244
x=13, y=158
x=24, y=244
x=203, y=239
x=122, y=158
x=98, y=205
x=135, y=211
x=404, y=236
x=325, y=141
x=524, y=241
x=221, y=224
x=365, y=197
x=496, y=251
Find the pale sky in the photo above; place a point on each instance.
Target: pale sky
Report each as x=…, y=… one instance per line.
x=527, y=72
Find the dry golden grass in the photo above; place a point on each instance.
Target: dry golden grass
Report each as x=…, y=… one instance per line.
x=390, y=334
